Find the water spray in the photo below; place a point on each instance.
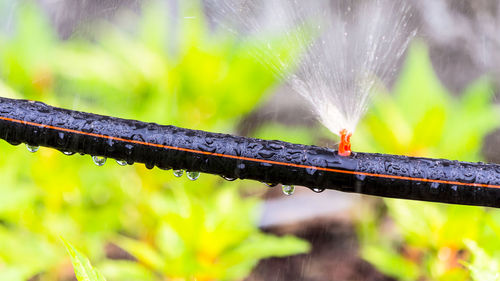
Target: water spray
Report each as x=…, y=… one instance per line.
x=268, y=161
x=347, y=49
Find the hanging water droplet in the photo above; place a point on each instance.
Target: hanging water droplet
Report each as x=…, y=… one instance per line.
x=121, y=162
x=361, y=177
x=434, y=188
x=288, y=189
x=228, y=178
x=99, y=160
x=69, y=153
x=32, y=148
x=318, y=189
x=193, y=175
x=269, y=184
x=178, y=173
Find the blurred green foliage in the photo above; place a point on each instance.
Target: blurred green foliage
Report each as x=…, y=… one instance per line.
x=483, y=266
x=175, y=72
x=183, y=73
x=428, y=241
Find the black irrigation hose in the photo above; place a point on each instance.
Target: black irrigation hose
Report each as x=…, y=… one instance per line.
x=318, y=168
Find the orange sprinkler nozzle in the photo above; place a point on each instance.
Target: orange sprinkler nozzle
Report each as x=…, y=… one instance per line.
x=345, y=143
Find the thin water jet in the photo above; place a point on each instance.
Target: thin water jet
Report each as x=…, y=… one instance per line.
x=341, y=51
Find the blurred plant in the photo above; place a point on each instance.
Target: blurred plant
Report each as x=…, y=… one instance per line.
x=211, y=239
x=483, y=266
x=426, y=241
x=81, y=264
x=176, y=72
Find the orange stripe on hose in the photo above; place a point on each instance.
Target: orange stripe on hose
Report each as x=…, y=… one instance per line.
x=248, y=158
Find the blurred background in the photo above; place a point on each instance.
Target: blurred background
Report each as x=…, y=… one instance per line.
x=166, y=62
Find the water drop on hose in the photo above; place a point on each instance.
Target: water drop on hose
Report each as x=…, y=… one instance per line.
x=434, y=185
x=121, y=162
x=68, y=153
x=193, y=175
x=178, y=173
x=99, y=160
x=228, y=178
x=32, y=148
x=318, y=189
x=288, y=189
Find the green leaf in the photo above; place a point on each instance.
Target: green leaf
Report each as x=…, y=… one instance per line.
x=124, y=270
x=83, y=269
x=390, y=262
x=239, y=261
x=418, y=87
x=483, y=267
x=142, y=251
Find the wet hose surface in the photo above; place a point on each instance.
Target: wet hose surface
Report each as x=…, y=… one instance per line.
x=318, y=168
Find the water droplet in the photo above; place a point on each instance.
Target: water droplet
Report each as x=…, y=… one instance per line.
x=99, y=160
x=268, y=184
x=178, y=173
x=361, y=177
x=32, y=148
x=149, y=166
x=288, y=189
x=228, y=178
x=310, y=171
x=193, y=175
x=318, y=189
x=266, y=153
x=68, y=153
x=121, y=162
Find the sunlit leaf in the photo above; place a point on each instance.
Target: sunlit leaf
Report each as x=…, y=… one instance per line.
x=83, y=269
x=483, y=267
